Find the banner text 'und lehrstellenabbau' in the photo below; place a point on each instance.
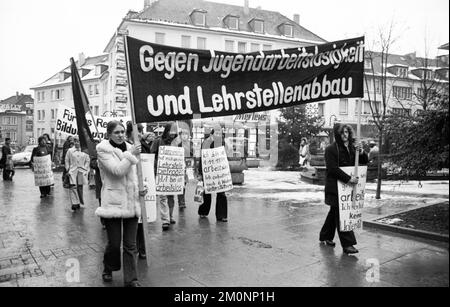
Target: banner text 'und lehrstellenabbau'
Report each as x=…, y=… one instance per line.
x=170, y=83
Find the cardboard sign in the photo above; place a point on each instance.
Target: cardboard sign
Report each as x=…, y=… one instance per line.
x=66, y=123
x=216, y=170
x=148, y=175
x=43, y=174
x=170, y=171
x=350, y=216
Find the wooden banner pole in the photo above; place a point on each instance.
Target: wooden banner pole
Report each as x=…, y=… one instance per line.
x=358, y=139
x=139, y=165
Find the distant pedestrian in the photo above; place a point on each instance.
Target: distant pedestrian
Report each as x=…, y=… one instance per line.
x=221, y=200
x=303, y=152
x=120, y=202
x=40, y=151
x=77, y=165
x=373, y=153
x=340, y=153
x=6, y=151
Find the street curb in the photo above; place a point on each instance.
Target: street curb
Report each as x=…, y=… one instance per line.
x=408, y=231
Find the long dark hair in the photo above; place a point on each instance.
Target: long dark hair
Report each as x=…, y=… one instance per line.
x=112, y=125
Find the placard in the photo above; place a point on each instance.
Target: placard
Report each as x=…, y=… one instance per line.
x=148, y=175
x=216, y=170
x=43, y=174
x=170, y=171
x=350, y=216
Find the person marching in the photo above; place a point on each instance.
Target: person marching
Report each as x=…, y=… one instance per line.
x=182, y=140
x=6, y=150
x=221, y=201
x=77, y=165
x=340, y=153
x=40, y=151
x=166, y=202
x=120, y=207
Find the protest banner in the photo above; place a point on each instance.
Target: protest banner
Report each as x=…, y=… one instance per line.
x=148, y=174
x=168, y=83
x=351, y=200
x=170, y=171
x=66, y=123
x=216, y=170
x=43, y=174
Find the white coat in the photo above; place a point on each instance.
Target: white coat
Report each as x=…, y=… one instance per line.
x=77, y=161
x=120, y=190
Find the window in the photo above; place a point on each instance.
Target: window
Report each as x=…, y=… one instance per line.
x=10, y=120
x=377, y=86
x=38, y=96
x=91, y=90
x=43, y=114
x=39, y=115
x=366, y=107
x=401, y=92
x=233, y=22
x=254, y=47
x=185, y=41
x=258, y=26
x=53, y=114
x=428, y=74
x=402, y=72
x=229, y=46
x=96, y=90
x=267, y=47
x=201, y=42
x=96, y=110
x=242, y=47
x=321, y=109
x=343, y=106
x=199, y=18
x=367, y=64
x=160, y=38
x=53, y=95
x=42, y=96
x=288, y=30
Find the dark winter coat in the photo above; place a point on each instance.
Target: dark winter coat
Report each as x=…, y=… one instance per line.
x=336, y=156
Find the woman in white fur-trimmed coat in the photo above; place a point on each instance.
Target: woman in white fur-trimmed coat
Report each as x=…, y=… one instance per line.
x=120, y=202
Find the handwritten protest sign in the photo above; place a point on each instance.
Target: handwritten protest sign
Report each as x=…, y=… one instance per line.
x=66, y=123
x=148, y=175
x=350, y=216
x=170, y=171
x=216, y=171
x=43, y=174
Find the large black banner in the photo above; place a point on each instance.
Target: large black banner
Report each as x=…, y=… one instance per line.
x=170, y=83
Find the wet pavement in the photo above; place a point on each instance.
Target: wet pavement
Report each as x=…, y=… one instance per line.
x=271, y=239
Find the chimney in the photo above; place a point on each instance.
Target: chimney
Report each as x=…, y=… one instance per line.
x=17, y=96
x=81, y=59
x=246, y=8
x=297, y=18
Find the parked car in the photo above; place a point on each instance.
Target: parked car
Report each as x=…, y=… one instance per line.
x=24, y=157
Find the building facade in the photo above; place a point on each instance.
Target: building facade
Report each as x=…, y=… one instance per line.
x=16, y=119
x=57, y=90
x=411, y=82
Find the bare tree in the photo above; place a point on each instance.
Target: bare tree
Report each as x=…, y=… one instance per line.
x=378, y=71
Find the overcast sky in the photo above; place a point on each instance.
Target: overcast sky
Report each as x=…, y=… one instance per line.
x=39, y=36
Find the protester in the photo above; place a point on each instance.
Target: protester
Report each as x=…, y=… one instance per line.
x=48, y=142
x=340, y=153
x=66, y=146
x=221, y=201
x=40, y=151
x=146, y=141
x=166, y=203
x=77, y=166
x=6, y=150
x=374, y=152
x=304, y=153
x=120, y=202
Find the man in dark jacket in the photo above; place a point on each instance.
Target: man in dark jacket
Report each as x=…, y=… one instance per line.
x=339, y=154
x=6, y=150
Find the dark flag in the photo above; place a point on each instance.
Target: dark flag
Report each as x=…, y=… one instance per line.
x=81, y=103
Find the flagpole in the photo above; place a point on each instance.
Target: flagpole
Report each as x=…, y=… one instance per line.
x=358, y=138
x=139, y=165
x=90, y=112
